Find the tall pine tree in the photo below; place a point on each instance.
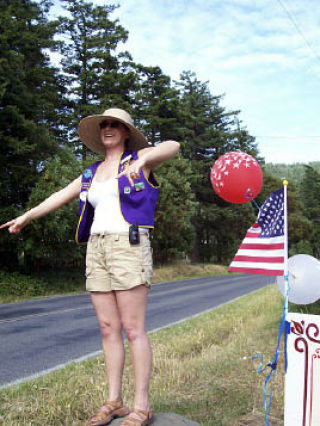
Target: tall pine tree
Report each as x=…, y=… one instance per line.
x=29, y=95
x=156, y=104
x=210, y=131
x=90, y=62
x=309, y=194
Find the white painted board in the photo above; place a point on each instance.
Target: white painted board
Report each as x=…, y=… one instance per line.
x=302, y=381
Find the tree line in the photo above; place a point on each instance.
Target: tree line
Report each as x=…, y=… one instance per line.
x=42, y=103
x=295, y=173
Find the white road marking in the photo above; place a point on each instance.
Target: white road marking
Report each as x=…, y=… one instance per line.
x=44, y=314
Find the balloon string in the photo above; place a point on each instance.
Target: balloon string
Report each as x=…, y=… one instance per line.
x=284, y=329
x=273, y=369
x=253, y=201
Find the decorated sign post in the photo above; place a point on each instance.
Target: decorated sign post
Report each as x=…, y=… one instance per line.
x=302, y=381
x=264, y=251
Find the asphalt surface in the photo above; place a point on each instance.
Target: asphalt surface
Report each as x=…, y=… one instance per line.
x=39, y=336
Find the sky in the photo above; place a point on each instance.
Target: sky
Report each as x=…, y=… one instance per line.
x=263, y=56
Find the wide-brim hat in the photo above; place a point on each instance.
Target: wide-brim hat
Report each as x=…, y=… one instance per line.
x=89, y=130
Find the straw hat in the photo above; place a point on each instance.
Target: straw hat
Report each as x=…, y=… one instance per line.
x=89, y=130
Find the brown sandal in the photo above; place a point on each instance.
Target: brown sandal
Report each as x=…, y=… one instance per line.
x=145, y=418
x=109, y=411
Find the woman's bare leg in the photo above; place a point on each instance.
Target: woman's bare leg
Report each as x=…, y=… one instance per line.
x=107, y=312
x=132, y=308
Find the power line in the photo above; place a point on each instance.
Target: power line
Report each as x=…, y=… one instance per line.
x=290, y=16
x=288, y=137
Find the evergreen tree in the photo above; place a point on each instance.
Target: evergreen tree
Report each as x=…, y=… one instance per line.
x=309, y=194
x=209, y=131
x=29, y=94
x=309, y=191
x=49, y=241
x=174, y=233
x=90, y=63
x=156, y=105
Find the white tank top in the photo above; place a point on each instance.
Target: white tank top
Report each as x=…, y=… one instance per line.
x=108, y=219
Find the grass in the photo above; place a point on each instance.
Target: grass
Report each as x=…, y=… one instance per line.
x=15, y=287
x=182, y=270
x=202, y=370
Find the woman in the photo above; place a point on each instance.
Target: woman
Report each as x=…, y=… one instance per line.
x=117, y=202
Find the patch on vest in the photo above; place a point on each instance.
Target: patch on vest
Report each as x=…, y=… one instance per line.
x=87, y=173
x=83, y=195
x=139, y=186
x=126, y=159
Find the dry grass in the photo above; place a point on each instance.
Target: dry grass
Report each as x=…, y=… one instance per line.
x=202, y=370
x=182, y=270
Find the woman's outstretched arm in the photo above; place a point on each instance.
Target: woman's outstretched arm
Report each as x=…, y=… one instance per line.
x=150, y=158
x=154, y=156
x=50, y=204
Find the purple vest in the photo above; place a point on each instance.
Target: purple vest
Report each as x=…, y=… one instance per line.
x=137, y=202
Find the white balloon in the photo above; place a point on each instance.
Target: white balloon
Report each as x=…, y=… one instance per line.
x=304, y=279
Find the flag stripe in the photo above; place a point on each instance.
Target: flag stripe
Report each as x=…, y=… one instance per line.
x=258, y=240
x=265, y=253
x=262, y=246
x=240, y=258
x=258, y=265
x=256, y=271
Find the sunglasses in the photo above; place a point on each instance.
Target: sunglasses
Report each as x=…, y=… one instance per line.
x=113, y=124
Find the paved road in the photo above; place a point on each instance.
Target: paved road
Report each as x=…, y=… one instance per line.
x=40, y=335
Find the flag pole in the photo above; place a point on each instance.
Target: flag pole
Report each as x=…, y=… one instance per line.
x=285, y=272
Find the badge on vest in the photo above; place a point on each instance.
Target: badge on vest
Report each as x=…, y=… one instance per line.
x=124, y=164
x=139, y=186
x=126, y=159
x=83, y=196
x=127, y=190
x=87, y=173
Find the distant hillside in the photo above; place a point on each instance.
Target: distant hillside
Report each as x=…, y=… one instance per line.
x=292, y=172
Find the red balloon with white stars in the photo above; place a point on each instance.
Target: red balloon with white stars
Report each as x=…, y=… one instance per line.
x=236, y=177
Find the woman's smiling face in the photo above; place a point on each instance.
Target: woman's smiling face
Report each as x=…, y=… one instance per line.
x=113, y=132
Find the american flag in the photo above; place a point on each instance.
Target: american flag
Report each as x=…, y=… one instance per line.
x=262, y=250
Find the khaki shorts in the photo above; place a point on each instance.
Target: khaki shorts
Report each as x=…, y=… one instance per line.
x=112, y=263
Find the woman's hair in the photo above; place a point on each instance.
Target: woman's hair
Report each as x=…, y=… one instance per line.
x=126, y=142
